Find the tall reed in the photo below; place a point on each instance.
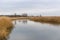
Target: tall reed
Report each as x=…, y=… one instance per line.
x=6, y=27
x=46, y=19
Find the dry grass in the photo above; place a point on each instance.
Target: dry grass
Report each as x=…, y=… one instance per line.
x=51, y=19
x=5, y=27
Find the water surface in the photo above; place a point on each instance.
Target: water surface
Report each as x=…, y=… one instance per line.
x=30, y=30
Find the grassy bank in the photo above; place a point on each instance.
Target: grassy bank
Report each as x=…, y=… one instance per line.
x=5, y=27
x=18, y=18
x=46, y=19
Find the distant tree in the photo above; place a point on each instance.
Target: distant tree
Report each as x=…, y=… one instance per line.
x=24, y=15
x=15, y=14
x=40, y=15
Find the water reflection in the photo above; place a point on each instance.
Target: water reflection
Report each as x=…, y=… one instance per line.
x=15, y=22
x=19, y=20
x=29, y=30
x=23, y=21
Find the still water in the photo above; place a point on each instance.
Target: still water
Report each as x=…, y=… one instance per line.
x=30, y=30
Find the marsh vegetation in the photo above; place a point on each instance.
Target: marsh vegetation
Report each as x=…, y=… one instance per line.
x=46, y=19
x=6, y=27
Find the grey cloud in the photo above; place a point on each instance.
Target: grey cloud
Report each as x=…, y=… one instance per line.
x=10, y=5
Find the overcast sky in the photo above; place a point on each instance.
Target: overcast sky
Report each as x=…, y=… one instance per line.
x=32, y=7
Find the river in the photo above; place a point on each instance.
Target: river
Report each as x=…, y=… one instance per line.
x=30, y=30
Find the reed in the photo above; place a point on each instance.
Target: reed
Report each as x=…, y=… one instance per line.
x=46, y=19
x=5, y=27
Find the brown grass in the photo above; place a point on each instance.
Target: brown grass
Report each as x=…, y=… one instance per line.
x=5, y=27
x=48, y=19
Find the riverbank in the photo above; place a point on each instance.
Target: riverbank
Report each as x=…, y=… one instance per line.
x=47, y=19
x=18, y=18
x=6, y=27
